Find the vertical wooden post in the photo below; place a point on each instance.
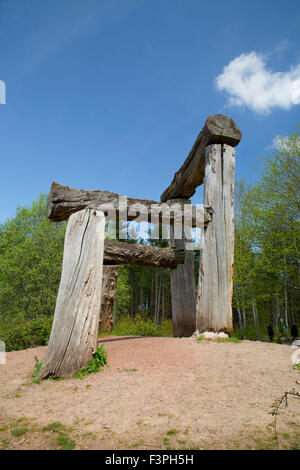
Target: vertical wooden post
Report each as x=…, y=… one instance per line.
x=74, y=332
x=214, y=310
x=183, y=294
x=109, y=281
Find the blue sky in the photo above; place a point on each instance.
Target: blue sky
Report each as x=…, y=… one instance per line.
x=111, y=94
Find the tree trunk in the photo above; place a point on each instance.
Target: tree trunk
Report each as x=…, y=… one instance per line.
x=214, y=311
x=109, y=282
x=244, y=317
x=255, y=317
x=240, y=316
x=74, y=332
x=183, y=293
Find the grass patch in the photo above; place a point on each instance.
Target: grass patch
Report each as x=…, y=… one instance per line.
x=4, y=444
x=98, y=360
x=37, y=368
x=231, y=339
x=105, y=333
x=171, y=432
x=201, y=338
x=19, y=431
x=64, y=442
x=55, y=427
x=126, y=326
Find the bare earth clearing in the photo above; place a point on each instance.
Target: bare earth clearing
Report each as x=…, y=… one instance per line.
x=156, y=393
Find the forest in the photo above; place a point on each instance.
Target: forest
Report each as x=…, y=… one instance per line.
x=266, y=267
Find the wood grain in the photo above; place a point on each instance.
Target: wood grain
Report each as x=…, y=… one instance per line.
x=143, y=255
x=109, y=282
x=73, y=337
x=214, y=310
x=64, y=201
x=183, y=292
x=217, y=129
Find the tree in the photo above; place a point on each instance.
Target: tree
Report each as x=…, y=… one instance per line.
x=31, y=250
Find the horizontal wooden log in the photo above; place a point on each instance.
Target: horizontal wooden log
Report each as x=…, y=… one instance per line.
x=218, y=129
x=64, y=201
x=144, y=255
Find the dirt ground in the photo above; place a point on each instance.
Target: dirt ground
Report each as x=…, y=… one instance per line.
x=155, y=393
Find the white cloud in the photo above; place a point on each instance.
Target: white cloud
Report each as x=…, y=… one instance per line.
x=282, y=143
x=250, y=83
x=279, y=142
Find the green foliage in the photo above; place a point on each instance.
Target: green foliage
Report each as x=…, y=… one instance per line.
x=98, y=360
x=38, y=366
x=231, y=339
x=140, y=327
x=123, y=291
x=31, y=249
x=267, y=240
x=64, y=442
x=19, y=431
x=20, y=333
x=55, y=426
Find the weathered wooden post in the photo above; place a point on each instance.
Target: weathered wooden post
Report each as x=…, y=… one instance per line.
x=109, y=281
x=183, y=292
x=211, y=160
x=74, y=332
x=214, y=311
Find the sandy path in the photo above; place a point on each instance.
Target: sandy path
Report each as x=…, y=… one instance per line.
x=209, y=395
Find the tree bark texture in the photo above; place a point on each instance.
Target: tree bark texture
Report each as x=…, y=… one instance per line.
x=109, y=283
x=183, y=295
x=217, y=129
x=74, y=332
x=214, y=299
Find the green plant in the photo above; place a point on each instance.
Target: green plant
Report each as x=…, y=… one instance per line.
x=19, y=431
x=64, y=442
x=142, y=327
x=276, y=406
x=4, y=444
x=98, y=360
x=37, y=368
x=231, y=339
x=172, y=431
x=20, y=333
x=56, y=426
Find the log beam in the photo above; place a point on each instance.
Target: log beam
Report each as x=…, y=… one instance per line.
x=218, y=129
x=64, y=201
x=144, y=255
